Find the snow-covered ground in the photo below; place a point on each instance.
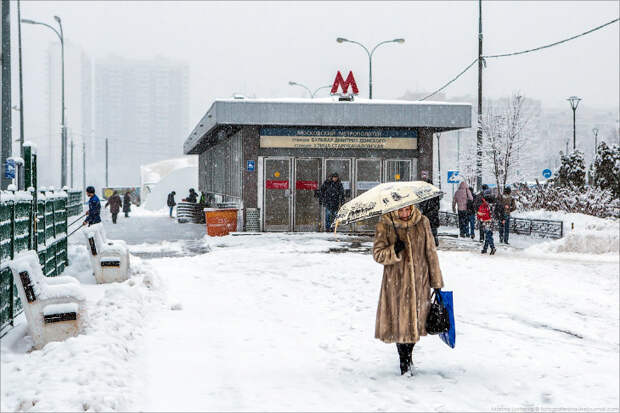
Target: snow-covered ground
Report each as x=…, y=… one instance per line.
x=286, y=322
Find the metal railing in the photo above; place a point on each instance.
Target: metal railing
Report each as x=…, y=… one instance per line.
x=47, y=235
x=522, y=226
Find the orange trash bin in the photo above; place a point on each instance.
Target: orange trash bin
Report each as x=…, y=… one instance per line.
x=220, y=222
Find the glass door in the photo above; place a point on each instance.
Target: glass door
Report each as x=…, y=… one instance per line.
x=307, y=212
x=367, y=176
x=277, y=194
x=342, y=167
x=397, y=170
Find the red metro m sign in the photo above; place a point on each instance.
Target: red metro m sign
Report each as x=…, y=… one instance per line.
x=344, y=84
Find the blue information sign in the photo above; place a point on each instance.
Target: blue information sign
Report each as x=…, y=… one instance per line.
x=251, y=165
x=9, y=169
x=546, y=173
x=453, y=177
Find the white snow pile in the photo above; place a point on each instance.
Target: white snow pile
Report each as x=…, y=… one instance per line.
x=98, y=370
x=583, y=234
x=142, y=211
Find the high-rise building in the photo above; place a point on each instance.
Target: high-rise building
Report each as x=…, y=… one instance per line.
x=142, y=108
x=78, y=115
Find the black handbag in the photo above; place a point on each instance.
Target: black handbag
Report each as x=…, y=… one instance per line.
x=438, y=320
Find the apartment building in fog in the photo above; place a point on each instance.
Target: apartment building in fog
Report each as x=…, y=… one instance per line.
x=142, y=108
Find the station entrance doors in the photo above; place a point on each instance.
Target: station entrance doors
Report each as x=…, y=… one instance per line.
x=289, y=188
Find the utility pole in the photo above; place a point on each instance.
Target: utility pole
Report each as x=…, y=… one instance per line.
x=106, y=162
x=439, y=158
x=83, y=169
x=21, y=182
x=71, y=163
x=479, y=132
x=6, y=149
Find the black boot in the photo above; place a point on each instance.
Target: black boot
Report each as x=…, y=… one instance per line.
x=404, y=353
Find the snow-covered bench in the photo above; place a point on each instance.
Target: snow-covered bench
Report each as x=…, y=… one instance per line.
x=109, y=259
x=54, y=306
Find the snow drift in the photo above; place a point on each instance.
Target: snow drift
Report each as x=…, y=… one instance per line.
x=583, y=234
x=179, y=180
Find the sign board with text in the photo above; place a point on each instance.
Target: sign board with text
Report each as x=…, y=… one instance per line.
x=321, y=138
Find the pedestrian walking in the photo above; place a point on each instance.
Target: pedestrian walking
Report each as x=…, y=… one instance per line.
x=430, y=209
x=405, y=246
x=508, y=205
x=486, y=224
x=93, y=215
x=461, y=196
x=126, y=204
x=192, y=197
x=331, y=196
x=471, y=215
x=171, y=202
x=114, y=202
x=477, y=203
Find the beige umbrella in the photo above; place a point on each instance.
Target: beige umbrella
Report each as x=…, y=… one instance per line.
x=384, y=198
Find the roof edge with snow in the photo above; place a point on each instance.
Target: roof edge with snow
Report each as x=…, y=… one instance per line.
x=329, y=112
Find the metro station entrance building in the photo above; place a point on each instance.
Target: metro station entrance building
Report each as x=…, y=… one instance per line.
x=273, y=154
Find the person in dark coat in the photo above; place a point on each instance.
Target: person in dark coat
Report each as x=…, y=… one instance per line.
x=93, y=215
x=171, y=202
x=471, y=215
x=331, y=196
x=126, y=204
x=430, y=209
x=193, y=196
x=461, y=197
x=115, y=205
x=508, y=205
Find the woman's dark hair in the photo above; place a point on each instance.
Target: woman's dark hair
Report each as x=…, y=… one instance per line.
x=507, y=190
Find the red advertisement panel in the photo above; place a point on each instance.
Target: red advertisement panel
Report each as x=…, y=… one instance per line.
x=306, y=185
x=271, y=184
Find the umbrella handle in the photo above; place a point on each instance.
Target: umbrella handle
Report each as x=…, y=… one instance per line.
x=336, y=226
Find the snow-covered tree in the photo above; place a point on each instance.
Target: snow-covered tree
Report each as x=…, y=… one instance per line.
x=585, y=200
x=572, y=171
x=505, y=132
x=605, y=169
x=467, y=164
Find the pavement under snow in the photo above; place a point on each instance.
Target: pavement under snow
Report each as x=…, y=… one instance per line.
x=286, y=322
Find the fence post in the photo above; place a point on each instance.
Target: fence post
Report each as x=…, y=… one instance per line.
x=66, y=244
x=12, y=288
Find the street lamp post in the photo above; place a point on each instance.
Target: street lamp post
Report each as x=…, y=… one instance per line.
x=574, y=102
x=63, y=130
x=301, y=85
x=370, y=53
x=595, y=132
x=311, y=93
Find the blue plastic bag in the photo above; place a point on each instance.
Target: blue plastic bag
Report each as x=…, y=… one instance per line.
x=449, y=337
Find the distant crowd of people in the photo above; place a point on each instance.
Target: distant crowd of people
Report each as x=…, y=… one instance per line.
x=114, y=202
x=203, y=200
x=486, y=208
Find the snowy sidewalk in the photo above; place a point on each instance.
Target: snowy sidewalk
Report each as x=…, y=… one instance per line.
x=286, y=322
x=274, y=322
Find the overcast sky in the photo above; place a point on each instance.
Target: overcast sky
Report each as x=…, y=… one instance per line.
x=255, y=48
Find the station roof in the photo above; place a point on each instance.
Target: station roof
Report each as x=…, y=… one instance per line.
x=327, y=112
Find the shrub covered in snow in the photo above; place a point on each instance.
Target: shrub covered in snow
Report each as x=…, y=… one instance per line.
x=567, y=198
x=572, y=171
x=605, y=169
